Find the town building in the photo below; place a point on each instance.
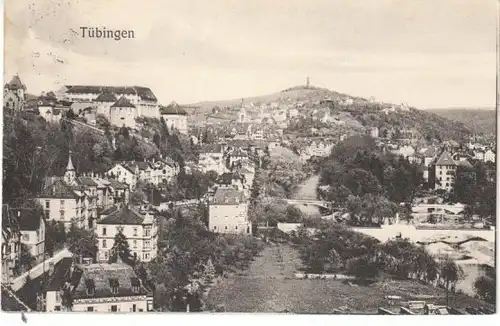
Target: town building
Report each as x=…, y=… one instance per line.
x=11, y=244
x=97, y=288
x=175, y=117
x=212, y=159
x=228, y=212
x=32, y=228
x=123, y=113
x=444, y=172
x=142, y=98
x=14, y=94
x=139, y=227
x=70, y=198
x=489, y=156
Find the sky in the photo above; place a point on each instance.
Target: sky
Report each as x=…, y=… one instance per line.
x=427, y=53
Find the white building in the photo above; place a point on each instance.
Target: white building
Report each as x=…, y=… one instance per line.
x=32, y=228
x=175, y=117
x=123, y=173
x=97, y=288
x=140, y=229
x=228, y=212
x=143, y=99
x=70, y=199
x=123, y=113
x=445, y=169
x=212, y=159
x=489, y=156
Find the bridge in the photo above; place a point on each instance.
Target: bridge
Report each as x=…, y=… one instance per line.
x=308, y=202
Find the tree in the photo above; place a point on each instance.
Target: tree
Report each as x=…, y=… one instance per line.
x=450, y=273
x=362, y=268
x=120, y=249
x=485, y=286
x=25, y=257
x=81, y=242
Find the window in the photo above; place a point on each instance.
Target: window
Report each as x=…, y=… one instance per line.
x=147, y=232
x=146, y=256
x=104, y=243
x=57, y=308
x=147, y=243
x=225, y=228
x=58, y=296
x=62, y=214
x=62, y=203
x=135, y=243
x=236, y=227
x=26, y=237
x=103, y=231
x=90, y=308
x=47, y=204
x=136, y=284
x=114, y=285
x=135, y=232
x=134, y=308
x=215, y=227
x=106, y=256
x=114, y=308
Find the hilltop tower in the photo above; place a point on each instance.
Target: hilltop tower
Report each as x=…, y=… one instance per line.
x=307, y=82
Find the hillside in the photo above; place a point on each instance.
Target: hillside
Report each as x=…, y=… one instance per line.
x=479, y=120
x=292, y=94
x=347, y=109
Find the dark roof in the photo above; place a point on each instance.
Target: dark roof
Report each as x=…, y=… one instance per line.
x=172, y=108
x=102, y=277
x=109, y=210
x=445, y=159
x=106, y=97
x=227, y=178
x=144, y=92
x=211, y=148
x=228, y=196
x=123, y=103
x=87, y=181
x=9, y=222
x=15, y=83
x=58, y=189
x=116, y=184
x=124, y=215
x=9, y=302
x=29, y=219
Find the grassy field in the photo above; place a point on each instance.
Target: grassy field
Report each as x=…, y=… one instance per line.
x=268, y=286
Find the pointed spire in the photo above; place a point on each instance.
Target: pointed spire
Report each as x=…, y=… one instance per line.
x=70, y=163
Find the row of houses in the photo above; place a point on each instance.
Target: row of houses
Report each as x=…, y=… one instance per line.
x=154, y=171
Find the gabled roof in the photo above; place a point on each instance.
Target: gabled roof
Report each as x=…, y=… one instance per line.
x=87, y=181
x=144, y=93
x=29, y=219
x=116, y=184
x=124, y=215
x=106, y=97
x=172, y=109
x=445, y=159
x=123, y=103
x=227, y=178
x=15, y=83
x=228, y=196
x=58, y=189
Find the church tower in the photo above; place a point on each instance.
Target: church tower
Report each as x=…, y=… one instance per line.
x=70, y=175
x=307, y=82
